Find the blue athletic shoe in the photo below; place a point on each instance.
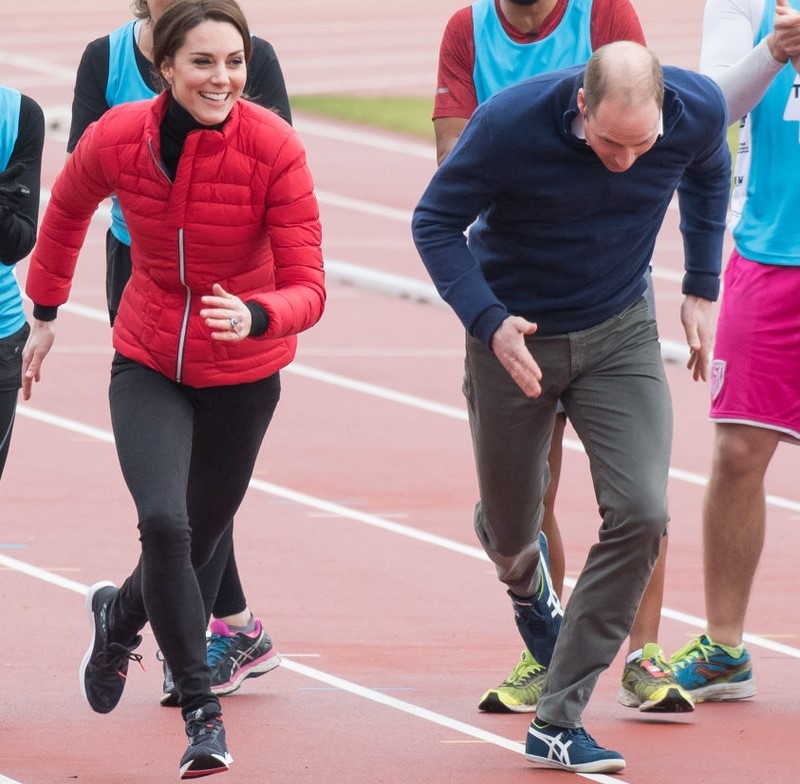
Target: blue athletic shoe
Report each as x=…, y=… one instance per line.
x=569, y=749
x=539, y=618
x=710, y=672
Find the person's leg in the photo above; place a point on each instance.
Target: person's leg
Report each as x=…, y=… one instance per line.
x=754, y=380
x=224, y=451
x=223, y=593
x=620, y=407
x=10, y=381
x=234, y=654
x=716, y=665
x=188, y=464
x=511, y=442
x=549, y=521
x=648, y=617
x=239, y=646
x=511, y=439
x=152, y=419
x=734, y=515
x=216, y=579
x=8, y=407
x=648, y=682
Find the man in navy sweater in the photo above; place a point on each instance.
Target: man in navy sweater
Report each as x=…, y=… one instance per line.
x=564, y=180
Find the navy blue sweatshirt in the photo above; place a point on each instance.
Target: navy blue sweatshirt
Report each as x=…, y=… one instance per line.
x=558, y=238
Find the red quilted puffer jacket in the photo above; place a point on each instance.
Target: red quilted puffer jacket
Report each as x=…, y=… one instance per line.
x=241, y=212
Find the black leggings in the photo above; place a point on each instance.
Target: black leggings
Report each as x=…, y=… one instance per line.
x=187, y=456
x=8, y=408
x=219, y=581
x=10, y=381
x=220, y=585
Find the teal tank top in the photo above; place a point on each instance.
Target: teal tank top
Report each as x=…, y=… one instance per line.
x=766, y=188
x=125, y=84
x=501, y=61
x=12, y=314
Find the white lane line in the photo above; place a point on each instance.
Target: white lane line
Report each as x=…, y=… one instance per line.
x=334, y=681
x=345, y=512
x=413, y=401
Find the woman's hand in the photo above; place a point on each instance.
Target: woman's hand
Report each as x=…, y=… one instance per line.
x=38, y=345
x=226, y=315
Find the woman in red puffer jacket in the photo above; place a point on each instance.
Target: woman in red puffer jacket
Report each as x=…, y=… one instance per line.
x=227, y=269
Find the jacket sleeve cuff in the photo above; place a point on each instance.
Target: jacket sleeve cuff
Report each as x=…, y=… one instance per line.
x=45, y=312
x=259, y=319
x=488, y=323
x=703, y=285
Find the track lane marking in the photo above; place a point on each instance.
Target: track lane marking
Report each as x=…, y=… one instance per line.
x=345, y=512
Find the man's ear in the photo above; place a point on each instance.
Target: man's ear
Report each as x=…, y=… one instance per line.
x=581, y=102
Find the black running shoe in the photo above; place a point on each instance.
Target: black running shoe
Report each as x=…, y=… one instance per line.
x=207, y=752
x=105, y=666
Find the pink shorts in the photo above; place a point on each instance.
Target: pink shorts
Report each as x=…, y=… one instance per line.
x=755, y=373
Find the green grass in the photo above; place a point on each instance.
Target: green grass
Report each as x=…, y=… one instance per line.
x=403, y=114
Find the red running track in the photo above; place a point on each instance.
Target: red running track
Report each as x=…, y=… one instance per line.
x=355, y=541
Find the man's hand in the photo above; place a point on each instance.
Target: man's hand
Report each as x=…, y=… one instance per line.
x=508, y=345
x=698, y=317
x=784, y=41
x=38, y=345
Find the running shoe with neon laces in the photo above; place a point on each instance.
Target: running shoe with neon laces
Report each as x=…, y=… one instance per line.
x=104, y=668
x=520, y=691
x=569, y=749
x=649, y=685
x=539, y=617
x=712, y=672
x=234, y=656
x=207, y=752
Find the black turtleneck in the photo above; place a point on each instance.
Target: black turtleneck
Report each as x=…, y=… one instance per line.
x=175, y=127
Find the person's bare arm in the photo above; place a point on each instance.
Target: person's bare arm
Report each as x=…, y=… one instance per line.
x=447, y=130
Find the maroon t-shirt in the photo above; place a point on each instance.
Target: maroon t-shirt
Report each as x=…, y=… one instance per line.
x=612, y=20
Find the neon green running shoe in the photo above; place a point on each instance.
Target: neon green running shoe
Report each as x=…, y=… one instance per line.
x=520, y=691
x=649, y=685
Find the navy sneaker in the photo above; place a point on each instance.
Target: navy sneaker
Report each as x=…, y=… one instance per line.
x=104, y=668
x=569, y=749
x=539, y=617
x=207, y=752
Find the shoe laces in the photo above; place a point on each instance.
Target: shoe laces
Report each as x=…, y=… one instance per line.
x=200, y=724
x=656, y=658
x=526, y=668
x=699, y=648
x=116, y=656
x=217, y=648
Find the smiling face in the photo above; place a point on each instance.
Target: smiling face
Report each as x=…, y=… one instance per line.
x=208, y=72
x=619, y=134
